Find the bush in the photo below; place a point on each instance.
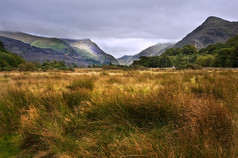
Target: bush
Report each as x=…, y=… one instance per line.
x=27, y=66
x=56, y=65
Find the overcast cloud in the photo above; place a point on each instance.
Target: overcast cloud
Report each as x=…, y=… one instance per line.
x=117, y=26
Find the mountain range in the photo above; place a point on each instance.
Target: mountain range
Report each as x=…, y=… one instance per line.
x=85, y=52
x=212, y=31
x=40, y=49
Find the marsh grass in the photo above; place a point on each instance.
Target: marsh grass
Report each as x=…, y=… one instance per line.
x=87, y=83
x=150, y=113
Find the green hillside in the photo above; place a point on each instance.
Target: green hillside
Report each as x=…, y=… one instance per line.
x=53, y=43
x=8, y=60
x=217, y=55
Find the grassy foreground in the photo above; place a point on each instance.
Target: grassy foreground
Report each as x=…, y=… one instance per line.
x=105, y=113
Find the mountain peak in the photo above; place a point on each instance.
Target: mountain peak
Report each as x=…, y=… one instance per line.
x=212, y=31
x=214, y=19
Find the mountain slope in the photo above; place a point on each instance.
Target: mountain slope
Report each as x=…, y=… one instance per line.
x=35, y=54
x=126, y=60
x=84, y=50
x=212, y=31
x=90, y=50
x=155, y=50
x=41, y=42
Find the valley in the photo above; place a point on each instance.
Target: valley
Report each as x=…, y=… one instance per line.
x=67, y=98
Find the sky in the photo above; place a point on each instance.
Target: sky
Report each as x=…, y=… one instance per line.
x=119, y=27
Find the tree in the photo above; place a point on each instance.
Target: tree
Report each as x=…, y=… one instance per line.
x=27, y=66
x=206, y=61
x=234, y=57
x=222, y=58
x=189, y=49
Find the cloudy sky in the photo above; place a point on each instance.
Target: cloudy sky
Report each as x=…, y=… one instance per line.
x=118, y=26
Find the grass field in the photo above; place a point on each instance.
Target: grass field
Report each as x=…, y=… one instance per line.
x=116, y=113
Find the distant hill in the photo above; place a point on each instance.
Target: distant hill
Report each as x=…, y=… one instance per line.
x=82, y=52
x=212, y=31
x=155, y=50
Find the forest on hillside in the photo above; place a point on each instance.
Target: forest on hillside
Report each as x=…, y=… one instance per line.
x=217, y=55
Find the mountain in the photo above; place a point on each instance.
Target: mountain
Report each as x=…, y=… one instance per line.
x=40, y=42
x=155, y=50
x=83, y=52
x=35, y=54
x=212, y=31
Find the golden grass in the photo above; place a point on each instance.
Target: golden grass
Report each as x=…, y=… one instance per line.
x=116, y=113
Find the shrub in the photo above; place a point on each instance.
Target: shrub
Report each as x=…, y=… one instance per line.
x=27, y=66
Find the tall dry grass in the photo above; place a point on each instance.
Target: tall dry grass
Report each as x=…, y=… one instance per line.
x=118, y=113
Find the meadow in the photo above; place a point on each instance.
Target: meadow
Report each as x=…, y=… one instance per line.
x=117, y=113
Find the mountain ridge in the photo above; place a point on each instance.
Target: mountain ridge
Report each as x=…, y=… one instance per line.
x=88, y=52
x=35, y=54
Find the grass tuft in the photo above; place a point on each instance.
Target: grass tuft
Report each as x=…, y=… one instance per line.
x=87, y=83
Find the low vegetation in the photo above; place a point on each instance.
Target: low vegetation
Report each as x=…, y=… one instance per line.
x=116, y=113
x=8, y=61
